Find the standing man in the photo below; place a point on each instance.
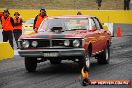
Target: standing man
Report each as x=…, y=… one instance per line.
x=7, y=26
x=126, y=4
x=99, y=3
x=17, y=27
x=39, y=18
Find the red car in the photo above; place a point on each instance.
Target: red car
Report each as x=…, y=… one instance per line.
x=75, y=38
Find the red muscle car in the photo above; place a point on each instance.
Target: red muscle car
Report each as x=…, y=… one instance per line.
x=75, y=38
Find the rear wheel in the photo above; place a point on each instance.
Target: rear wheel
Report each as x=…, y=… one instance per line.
x=55, y=61
x=30, y=64
x=104, y=57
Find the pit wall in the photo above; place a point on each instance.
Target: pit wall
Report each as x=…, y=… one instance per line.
x=114, y=16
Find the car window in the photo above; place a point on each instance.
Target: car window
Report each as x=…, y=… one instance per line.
x=91, y=23
x=67, y=24
x=77, y=24
x=97, y=23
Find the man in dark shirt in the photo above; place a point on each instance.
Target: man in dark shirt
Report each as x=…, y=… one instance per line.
x=5, y=16
x=99, y=3
x=126, y=4
x=39, y=18
x=7, y=23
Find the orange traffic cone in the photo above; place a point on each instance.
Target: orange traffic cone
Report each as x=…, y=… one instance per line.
x=119, y=33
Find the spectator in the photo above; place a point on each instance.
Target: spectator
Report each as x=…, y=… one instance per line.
x=39, y=18
x=7, y=26
x=99, y=3
x=126, y=4
x=79, y=13
x=17, y=27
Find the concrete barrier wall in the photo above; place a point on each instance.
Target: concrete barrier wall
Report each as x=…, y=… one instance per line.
x=6, y=51
x=115, y=16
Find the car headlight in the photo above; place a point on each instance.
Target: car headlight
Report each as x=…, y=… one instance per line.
x=25, y=44
x=34, y=43
x=66, y=42
x=76, y=43
x=19, y=43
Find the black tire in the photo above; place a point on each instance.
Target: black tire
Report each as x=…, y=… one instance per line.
x=104, y=57
x=30, y=64
x=85, y=62
x=55, y=61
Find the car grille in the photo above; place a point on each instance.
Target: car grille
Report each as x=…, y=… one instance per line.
x=56, y=43
x=43, y=43
x=50, y=43
x=46, y=43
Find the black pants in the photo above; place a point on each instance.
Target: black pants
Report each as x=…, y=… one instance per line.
x=126, y=6
x=7, y=36
x=99, y=5
x=17, y=33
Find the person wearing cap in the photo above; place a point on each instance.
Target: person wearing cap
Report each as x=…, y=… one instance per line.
x=7, y=23
x=17, y=27
x=39, y=18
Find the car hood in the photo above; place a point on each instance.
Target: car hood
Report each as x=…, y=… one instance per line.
x=53, y=35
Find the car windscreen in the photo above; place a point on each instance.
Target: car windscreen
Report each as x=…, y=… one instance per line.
x=30, y=21
x=67, y=24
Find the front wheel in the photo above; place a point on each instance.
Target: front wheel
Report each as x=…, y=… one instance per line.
x=85, y=62
x=104, y=57
x=30, y=64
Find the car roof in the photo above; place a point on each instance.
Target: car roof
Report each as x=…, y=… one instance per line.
x=72, y=16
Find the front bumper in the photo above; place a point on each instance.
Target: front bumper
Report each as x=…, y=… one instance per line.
x=59, y=52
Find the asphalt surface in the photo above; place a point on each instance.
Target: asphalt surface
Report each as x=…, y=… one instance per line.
x=66, y=75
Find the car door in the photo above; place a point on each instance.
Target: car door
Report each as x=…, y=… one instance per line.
x=94, y=38
x=101, y=33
